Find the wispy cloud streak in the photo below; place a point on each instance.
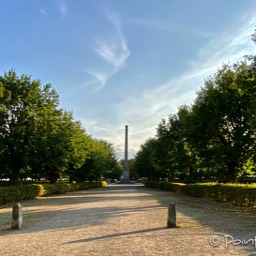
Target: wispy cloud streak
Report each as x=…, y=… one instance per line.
x=150, y=106
x=113, y=51
x=43, y=12
x=144, y=110
x=62, y=7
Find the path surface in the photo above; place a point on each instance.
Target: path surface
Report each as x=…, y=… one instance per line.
x=126, y=220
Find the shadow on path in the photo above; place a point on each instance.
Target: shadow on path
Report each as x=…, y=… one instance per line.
x=78, y=209
x=116, y=235
x=94, y=207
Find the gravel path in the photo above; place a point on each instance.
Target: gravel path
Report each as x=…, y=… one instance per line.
x=127, y=220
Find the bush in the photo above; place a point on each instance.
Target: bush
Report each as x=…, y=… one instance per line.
x=236, y=194
x=104, y=184
x=152, y=184
x=31, y=191
x=11, y=194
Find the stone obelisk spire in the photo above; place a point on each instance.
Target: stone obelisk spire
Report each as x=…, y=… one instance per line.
x=126, y=174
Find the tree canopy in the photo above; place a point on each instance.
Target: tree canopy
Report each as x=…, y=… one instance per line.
x=40, y=140
x=215, y=137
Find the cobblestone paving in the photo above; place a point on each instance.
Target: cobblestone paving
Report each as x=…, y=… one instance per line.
x=127, y=220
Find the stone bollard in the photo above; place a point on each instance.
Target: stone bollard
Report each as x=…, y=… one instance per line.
x=171, y=218
x=17, y=218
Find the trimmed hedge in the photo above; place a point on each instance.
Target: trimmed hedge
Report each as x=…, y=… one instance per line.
x=236, y=194
x=13, y=194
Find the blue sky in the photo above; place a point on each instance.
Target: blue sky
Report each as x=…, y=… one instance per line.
x=124, y=62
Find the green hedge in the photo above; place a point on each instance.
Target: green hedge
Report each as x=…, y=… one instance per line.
x=13, y=194
x=237, y=194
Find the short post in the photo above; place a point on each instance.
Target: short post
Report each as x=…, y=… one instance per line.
x=171, y=218
x=17, y=218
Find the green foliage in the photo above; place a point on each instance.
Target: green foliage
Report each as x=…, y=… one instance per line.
x=9, y=195
x=215, y=137
x=222, y=114
x=236, y=194
x=152, y=184
x=103, y=184
x=40, y=140
x=13, y=194
x=145, y=162
x=31, y=191
x=50, y=189
x=100, y=162
x=28, y=126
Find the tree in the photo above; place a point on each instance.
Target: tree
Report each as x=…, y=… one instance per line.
x=115, y=173
x=64, y=146
x=20, y=102
x=38, y=139
x=145, y=160
x=176, y=154
x=222, y=118
x=79, y=146
x=101, y=162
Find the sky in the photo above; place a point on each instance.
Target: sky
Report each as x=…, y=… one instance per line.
x=124, y=62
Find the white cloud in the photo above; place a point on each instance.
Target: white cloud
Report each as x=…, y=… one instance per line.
x=144, y=110
x=62, y=6
x=63, y=9
x=43, y=12
x=100, y=79
x=114, y=51
x=161, y=25
x=106, y=131
x=152, y=23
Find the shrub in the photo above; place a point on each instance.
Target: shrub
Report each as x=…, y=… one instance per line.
x=152, y=184
x=236, y=194
x=31, y=191
x=11, y=194
x=104, y=184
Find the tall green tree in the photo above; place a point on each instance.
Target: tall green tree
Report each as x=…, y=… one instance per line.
x=176, y=152
x=100, y=162
x=62, y=145
x=40, y=140
x=20, y=102
x=79, y=146
x=145, y=162
x=222, y=118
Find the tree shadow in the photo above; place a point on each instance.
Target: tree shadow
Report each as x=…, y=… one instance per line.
x=82, y=208
x=222, y=218
x=91, y=239
x=54, y=212
x=88, y=196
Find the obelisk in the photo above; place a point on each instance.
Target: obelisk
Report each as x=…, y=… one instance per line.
x=126, y=174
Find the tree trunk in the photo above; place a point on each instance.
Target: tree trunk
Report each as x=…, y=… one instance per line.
x=53, y=177
x=71, y=179
x=191, y=172
x=231, y=175
x=171, y=175
x=15, y=179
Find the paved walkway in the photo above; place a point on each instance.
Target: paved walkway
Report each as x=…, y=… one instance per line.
x=127, y=220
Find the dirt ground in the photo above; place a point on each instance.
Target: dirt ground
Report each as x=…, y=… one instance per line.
x=127, y=220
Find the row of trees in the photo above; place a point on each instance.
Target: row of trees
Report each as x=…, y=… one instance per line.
x=215, y=137
x=40, y=140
